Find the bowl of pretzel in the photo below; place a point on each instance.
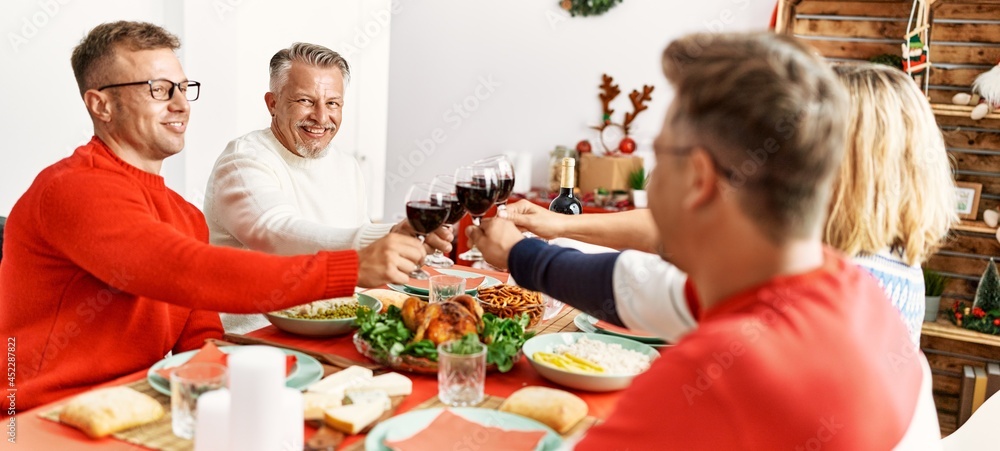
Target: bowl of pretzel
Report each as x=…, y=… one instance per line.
x=509, y=301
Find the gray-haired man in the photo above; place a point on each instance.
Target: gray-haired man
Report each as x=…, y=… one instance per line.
x=285, y=189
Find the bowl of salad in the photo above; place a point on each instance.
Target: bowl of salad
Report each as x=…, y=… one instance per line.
x=326, y=318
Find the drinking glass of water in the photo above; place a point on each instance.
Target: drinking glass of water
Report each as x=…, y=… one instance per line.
x=461, y=372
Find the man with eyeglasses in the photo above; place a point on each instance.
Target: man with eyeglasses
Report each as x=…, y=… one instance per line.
x=795, y=347
x=287, y=189
x=106, y=270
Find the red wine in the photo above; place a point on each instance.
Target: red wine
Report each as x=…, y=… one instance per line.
x=567, y=203
x=504, y=188
x=455, y=209
x=477, y=196
x=424, y=216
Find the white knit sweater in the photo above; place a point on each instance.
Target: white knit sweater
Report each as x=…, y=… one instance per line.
x=260, y=196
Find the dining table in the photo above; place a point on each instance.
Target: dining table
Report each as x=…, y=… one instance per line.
x=35, y=432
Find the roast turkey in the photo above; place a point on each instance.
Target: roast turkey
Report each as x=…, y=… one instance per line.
x=442, y=321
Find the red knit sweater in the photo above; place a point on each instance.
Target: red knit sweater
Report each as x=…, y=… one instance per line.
x=105, y=270
x=810, y=361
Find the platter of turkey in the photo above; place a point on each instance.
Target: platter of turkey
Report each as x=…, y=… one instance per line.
x=406, y=338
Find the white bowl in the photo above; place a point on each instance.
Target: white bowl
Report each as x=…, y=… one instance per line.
x=582, y=381
x=322, y=327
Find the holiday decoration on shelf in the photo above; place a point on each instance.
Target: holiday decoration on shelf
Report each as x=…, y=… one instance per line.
x=988, y=292
x=627, y=146
x=916, y=55
x=588, y=7
x=985, y=94
x=615, y=137
x=887, y=59
x=984, y=315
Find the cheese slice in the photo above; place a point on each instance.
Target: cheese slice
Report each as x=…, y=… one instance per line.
x=353, y=418
x=315, y=403
x=356, y=396
x=337, y=383
x=394, y=384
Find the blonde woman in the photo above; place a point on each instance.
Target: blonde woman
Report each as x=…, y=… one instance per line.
x=892, y=204
x=894, y=200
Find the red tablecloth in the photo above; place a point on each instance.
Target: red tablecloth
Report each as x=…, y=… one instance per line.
x=35, y=433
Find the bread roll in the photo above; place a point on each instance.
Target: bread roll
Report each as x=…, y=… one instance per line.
x=388, y=297
x=557, y=409
x=109, y=410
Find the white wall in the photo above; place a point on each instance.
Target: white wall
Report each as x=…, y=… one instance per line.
x=227, y=45
x=42, y=116
x=546, y=67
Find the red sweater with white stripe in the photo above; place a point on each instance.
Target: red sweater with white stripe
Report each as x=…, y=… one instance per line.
x=105, y=270
x=816, y=360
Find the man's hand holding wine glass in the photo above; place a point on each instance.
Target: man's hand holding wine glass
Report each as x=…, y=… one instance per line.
x=532, y=218
x=389, y=260
x=439, y=240
x=494, y=237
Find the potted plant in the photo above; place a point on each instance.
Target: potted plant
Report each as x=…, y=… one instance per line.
x=601, y=197
x=637, y=180
x=933, y=287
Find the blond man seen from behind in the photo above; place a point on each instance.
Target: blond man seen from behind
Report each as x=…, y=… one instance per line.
x=780, y=314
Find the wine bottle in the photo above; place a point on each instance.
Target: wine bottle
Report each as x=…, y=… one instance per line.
x=566, y=203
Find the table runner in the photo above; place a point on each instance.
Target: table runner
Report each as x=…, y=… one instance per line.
x=158, y=435
x=562, y=322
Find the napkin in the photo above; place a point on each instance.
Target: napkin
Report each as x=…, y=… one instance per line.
x=210, y=353
x=447, y=429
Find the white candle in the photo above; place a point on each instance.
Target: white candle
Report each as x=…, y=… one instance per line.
x=256, y=383
x=211, y=431
x=292, y=417
x=522, y=162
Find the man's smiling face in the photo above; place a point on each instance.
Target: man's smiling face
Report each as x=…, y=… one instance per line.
x=307, y=109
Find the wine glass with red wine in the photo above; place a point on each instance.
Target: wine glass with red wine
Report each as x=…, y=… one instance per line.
x=426, y=211
x=505, y=177
x=477, y=188
x=446, y=184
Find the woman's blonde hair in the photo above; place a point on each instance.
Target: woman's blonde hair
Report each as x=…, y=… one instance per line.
x=895, y=188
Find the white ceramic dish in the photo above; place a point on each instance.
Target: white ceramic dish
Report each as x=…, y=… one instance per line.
x=583, y=381
x=322, y=327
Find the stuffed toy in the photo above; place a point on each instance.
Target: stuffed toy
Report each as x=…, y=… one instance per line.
x=915, y=59
x=985, y=94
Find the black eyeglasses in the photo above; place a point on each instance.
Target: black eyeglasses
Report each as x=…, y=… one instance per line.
x=163, y=89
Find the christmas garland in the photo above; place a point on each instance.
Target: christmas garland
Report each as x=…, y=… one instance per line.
x=588, y=7
x=976, y=319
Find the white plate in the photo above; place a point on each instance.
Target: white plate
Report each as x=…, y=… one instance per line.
x=408, y=424
x=307, y=370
